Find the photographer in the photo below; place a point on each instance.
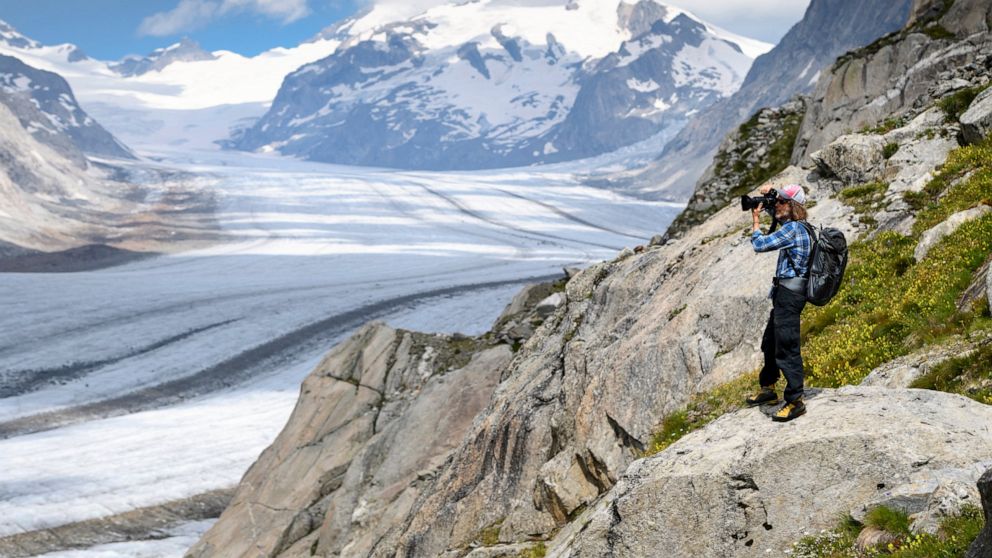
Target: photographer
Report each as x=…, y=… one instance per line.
x=780, y=342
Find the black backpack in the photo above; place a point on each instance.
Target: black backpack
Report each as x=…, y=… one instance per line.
x=826, y=264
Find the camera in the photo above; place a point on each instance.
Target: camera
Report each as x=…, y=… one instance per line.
x=748, y=203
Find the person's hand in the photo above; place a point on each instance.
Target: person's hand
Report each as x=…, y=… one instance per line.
x=765, y=189
x=756, y=212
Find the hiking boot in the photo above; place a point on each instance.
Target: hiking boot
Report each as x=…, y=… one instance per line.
x=790, y=411
x=766, y=396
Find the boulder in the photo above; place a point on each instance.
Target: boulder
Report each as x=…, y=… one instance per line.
x=745, y=486
x=854, y=158
x=982, y=547
x=936, y=233
x=976, y=122
x=901, y=372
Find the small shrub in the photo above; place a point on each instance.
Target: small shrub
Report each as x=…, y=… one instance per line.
x=889, y=150
x=889, y=520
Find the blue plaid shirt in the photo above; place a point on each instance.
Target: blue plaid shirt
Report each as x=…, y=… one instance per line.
x=791, y=238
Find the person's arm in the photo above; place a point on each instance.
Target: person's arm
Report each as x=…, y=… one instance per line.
x=784, y=237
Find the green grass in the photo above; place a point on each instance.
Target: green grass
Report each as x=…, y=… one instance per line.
x=937, y=32
x=954, y=536
x=889, y=304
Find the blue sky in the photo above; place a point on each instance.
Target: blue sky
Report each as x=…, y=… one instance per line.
x=111, y=29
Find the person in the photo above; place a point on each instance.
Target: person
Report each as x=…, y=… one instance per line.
x=780, y=342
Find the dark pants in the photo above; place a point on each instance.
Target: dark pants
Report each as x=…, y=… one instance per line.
x=780, y=343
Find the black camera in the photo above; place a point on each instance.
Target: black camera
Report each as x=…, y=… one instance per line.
x=748, y=203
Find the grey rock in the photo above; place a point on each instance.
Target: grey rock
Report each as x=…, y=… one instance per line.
x=855, y=158
x=935, y=234
x=898, y=76
x=550, y=304
x=982, y=546
x=744, y=480
x=741, y=156
x=976, y=122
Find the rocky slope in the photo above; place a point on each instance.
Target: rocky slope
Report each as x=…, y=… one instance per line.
x=945, y=48
x=46, y=107
x=754, y=487
x=497, y=83
x=828, y=29
x=552, y=462
x=376, y=420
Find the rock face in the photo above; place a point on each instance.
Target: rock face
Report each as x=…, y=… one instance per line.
x=375, y=421
x=982, y=547
x=186, y=50
x=976, y=122
x=752, y=485
x=46, y=107
x=390, y=411
x=828, y=29
x=473, y=85
x=901, y=74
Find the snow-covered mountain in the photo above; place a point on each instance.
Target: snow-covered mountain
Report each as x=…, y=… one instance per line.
x=500, y=83
x=186, y=50
x=45, y=106
x=188, y=104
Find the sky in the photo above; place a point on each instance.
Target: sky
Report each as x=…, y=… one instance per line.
x=112, y=29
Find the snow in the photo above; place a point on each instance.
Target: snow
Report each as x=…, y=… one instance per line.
x=713, y=64
x=305, y=244
x=642, y=86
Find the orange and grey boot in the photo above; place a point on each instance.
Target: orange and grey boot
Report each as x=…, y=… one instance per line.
x=766, y=396
x=790, y=411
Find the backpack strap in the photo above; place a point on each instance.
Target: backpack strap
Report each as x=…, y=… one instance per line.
x=812, y=242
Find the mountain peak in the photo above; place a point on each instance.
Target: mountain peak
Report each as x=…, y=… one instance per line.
x=186, y=50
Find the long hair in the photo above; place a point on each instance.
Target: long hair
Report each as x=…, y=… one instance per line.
x=797, y=211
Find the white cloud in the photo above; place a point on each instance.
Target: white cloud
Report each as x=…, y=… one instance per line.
x=189, y=15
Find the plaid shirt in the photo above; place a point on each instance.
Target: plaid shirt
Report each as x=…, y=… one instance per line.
x=791, y=238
